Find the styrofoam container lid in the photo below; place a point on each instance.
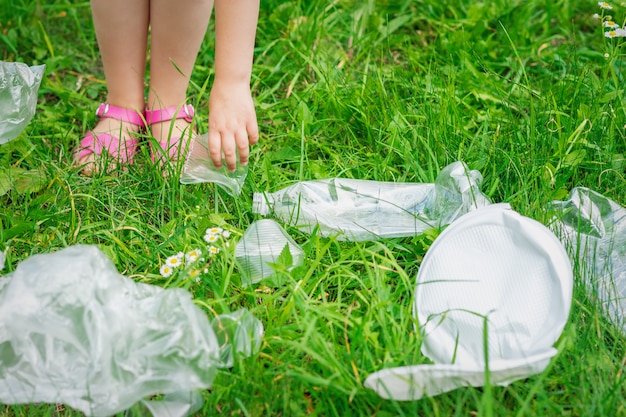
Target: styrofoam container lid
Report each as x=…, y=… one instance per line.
x=492, y=275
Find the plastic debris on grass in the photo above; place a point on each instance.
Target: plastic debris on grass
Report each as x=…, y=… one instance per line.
x=493, y=295
x=263, y=244
x=364, y=210
x=19, y=84
x=75, y=331
x=199, y=168
x=594, y=228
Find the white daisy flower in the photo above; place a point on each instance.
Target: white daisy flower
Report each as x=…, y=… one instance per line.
x=616, y=33
x=610, y=24
x=213, y=250
x=226, y=234
x=175, y=261
x=605, y=5
x=211, y=238
x=166, y=270
x=193, y=255
x=214, y=231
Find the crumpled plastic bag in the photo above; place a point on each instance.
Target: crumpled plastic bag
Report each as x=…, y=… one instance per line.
x=199, y=168
x=360, y=210
x=18, y=97
x=75, y=331
x=594, y=227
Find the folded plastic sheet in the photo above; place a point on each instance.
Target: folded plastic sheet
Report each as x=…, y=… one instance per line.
x=199, y=168
x=74, y=331
x=359, y=210
x=594, y=228
x=19, y=84
x=493, y=295
x=261, y=246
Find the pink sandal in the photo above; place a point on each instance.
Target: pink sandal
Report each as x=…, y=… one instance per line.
x=169, y=147
x=121, y=151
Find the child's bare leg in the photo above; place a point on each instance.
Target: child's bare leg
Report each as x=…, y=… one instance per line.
x=177, y=31
x=122, y=32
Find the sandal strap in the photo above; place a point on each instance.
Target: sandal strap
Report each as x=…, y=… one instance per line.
x=109, y=111
x=97, y=144
x=170, y=113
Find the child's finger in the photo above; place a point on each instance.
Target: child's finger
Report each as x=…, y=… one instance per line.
x=253, y=132
x=215, y=148
x=241, y=139
x=229, y=150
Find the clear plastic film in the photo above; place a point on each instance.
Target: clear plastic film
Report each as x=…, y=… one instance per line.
x=74, y=331
x=199, y=168
x=19, y=84
x=364, y=209
x=261, y=245
x=594, y=228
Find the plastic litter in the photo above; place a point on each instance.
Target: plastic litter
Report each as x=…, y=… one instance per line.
x=199, y=168
x=19, y=84
x=75, y=331
x=594, y=228
x=495, y=277
x=261, y=245
x=363, y=210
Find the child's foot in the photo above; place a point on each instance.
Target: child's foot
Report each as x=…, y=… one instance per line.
x=115, y=135
x=170, y=128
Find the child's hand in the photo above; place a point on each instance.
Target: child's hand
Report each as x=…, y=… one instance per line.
x=232, y=123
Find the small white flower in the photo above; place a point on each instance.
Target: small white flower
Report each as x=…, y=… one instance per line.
x=596, y=16
x=211, y=238
x=607, y=56
x=214, y=231
x=213, y=250
x=193, y=255
x=166, y=270
x=605, y=5
x=175, y=261
x=226, y=234
x=616, y=33
x=610, y=24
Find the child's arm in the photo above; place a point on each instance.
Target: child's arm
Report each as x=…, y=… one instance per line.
x=232, y=119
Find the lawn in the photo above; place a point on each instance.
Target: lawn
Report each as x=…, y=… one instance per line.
x=528, y=92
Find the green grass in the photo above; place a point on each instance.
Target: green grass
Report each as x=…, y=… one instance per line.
x=382, y=90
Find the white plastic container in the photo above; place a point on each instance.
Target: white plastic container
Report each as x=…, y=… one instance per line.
x=492, y=275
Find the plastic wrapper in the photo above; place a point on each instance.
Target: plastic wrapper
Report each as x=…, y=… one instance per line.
x=359, y=210
x=74, y=331
x=493, y=294
x=261, y=245
x=199, y=168
x=594, y=227
x=19, y=84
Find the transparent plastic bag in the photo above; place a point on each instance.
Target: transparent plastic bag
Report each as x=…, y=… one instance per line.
x=199, y=168
x=18, y=97
x=363, y=209
x=261, y=245
x=75, y=331
x=594, y=227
